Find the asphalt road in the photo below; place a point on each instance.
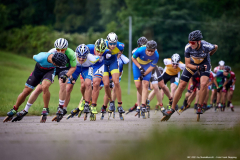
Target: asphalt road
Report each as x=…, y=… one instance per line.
x=78, y=139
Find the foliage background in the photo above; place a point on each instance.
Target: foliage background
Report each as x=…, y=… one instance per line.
x=30, y=26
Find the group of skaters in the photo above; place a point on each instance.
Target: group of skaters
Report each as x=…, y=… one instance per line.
x=100, y=65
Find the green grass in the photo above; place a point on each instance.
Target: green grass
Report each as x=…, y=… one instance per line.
x=16, y=69
x=179, y=143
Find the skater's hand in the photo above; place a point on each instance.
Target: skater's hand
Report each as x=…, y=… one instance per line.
x=219, y=89
x=141, y=77
x=142, y=71
x=72, y=80
x=191, y=87
x=202, y=68
x=64, y=78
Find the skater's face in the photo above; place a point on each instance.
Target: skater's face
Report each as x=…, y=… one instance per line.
x=61, y=50
x=221, y=67
x=194, y=44
x=111, y=46
x=150, y=52
x=81, y=60
x=175, y=65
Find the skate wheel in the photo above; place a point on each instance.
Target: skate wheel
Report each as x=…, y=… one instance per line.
x=102, y=116
x=163, y=119
x=94, y=117
x=85, y=116
x=80, y=113
x=198, y=117
x=139, y=114
x=114, y=115
x=121, y=116
x=59, y=117
x=109, y=115
x=54, y=118
x=69, y=116
x=148, y=114
x=7, y=119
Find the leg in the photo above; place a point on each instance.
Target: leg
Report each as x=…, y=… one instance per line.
x=115, y=77
x=106, y=82
x=173, y=89
x=96, y=89
x=69, y=89
x=178, y=93
x=22, y=96
x=203, y=89
x=46, y=93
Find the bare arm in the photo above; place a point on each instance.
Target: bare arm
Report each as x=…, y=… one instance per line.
x=213, y=51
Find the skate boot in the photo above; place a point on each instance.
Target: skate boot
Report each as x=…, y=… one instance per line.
x=209, y=106
x=219, y=106
x=81, y=108
x=195, y=107
x=44, y=114
x=143, y=112
x=199, y=109
x=223, y=107
x=103, y=111
x=228, y=104
x=10, y=115
x=121, y=112
x=167, y=114
x=131, y=109
x=20, y=116
x=73, y=113
x=111, y=109
x=148, y=111
x=204, y=107
x=93, y=113
x=181, y=109
x=59, y=114
x=138, y=111
x=156, y=109
x=86, y=111
x=232, y=107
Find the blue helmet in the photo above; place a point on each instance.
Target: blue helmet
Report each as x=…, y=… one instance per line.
x=82, y=51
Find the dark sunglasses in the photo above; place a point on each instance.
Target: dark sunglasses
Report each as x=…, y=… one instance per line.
x=175, y=64
x=60, y=50
x=111, y=44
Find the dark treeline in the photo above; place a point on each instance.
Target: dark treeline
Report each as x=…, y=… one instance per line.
x=30, y=26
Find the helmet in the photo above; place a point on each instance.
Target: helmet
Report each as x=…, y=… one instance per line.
x=151, y=44
x=82, y=51
x=227, y=68
x=195, y=36
x=112, y=37
x=221, y=63
x=142, y=41
x=160, y=69
x=60, y=59
x=175, y=58
x=100, y=45
x=61, y=43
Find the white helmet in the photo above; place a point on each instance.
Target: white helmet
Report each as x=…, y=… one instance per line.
x=221, y=63
x=61, y=43
x=175, y=58
x=112, y=37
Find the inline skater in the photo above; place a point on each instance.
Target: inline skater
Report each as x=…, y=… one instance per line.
x=111, y=67
x=84, y=67
x=221, y=79
x=171, y=72
x=197, y=58
x=230, y=87
x=121, y=59
x=43, y=73
x=61, y=46
x=97, y=49
x=145, y=59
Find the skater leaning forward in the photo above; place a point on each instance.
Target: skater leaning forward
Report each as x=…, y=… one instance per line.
x=197, y=58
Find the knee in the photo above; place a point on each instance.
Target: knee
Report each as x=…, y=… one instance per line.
x=69, y=88
x=88, y=84
x=45, y=88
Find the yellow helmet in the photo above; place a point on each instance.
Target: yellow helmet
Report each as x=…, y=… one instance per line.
x=100, y=45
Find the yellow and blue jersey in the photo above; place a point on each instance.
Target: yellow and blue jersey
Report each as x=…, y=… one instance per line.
x=143, y=59
x=118, y=48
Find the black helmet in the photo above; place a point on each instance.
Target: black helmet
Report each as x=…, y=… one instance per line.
x=195, y=36
x=227, y=68
x=151, y=44
x=142, y=41
x=60, y=59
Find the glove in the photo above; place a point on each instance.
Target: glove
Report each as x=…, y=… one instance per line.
x=72, y=80
x=64, y=78
x=201, y=68
x=191, y=87
x=142, y=71
x=141, y=77
x=219, y=89
x=111, y=84
x=107, y=55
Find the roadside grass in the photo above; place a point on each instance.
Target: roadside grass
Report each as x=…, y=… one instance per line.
x=16, y=69
x=183, y=143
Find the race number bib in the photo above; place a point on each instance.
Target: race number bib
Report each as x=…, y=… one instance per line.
x=90, y=71
x=176, y=79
